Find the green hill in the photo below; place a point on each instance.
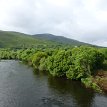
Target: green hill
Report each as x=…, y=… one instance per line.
x=59, y=39
x=20, y=40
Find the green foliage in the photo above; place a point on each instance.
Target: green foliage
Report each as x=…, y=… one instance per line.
x=90, y=84
x=42, y=65
x=39, y=58
x=79, y=63
x=104, y=51
x=58, y=64
x=84, y=62
x=76, y=63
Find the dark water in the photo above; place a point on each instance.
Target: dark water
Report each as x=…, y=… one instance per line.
x=21, y=87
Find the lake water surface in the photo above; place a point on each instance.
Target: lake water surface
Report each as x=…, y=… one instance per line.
x=21, y=87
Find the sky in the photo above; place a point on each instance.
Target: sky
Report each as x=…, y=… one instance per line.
x=83, y=20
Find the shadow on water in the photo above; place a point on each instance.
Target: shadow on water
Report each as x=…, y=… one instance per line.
x=83, y=97
x=67, y=93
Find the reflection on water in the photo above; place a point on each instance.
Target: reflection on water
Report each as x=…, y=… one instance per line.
x=72, y=89
x=21, y=87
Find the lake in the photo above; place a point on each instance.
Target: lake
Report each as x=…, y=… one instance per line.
x=21, y=86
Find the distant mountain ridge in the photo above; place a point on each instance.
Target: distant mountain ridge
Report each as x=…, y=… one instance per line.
x=60, y=39
x=10, y=39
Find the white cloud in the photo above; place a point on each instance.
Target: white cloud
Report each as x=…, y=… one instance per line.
x=84, y=20
x=100, y=43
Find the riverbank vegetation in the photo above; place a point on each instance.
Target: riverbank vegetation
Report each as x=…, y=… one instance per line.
x=78, y=63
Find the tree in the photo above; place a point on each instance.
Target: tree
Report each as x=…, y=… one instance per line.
x=37, y=58
x=59, y=63
x=84, y=62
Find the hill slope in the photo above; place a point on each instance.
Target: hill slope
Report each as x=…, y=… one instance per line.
x=59, y=39
x=19, y=40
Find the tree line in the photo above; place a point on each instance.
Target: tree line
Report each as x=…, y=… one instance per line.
x=73, y=63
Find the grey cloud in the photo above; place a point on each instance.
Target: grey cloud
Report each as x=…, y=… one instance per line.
x=74, y=18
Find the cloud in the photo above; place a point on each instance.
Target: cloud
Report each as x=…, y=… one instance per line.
x=84, y=20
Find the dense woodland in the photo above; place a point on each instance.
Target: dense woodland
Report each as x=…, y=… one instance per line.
x=78, y=63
